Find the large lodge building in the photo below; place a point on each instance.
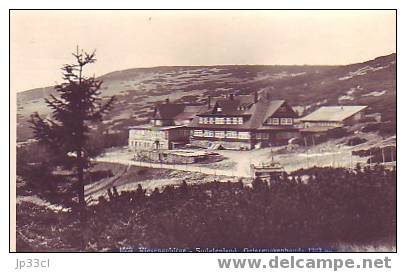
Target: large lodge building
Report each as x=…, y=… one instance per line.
x=238, y=122
x=243, y=122
x=235, y=122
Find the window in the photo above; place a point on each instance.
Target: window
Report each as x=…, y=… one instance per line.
x=205, y=120
x=243, y=135
x=208, y=133
x=228, y=120
x=262, y=136
x=240, y=120
x=235, y=120
x=286, y=121
x=197, y=132
x=231, y=134
x=219, y=109
x=211, y=120
x=219, y=134
x=219, y=120
x=275, y=121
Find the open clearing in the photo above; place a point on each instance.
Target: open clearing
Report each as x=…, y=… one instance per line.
x=333, y=153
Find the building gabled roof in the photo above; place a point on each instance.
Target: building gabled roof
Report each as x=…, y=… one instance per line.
x=332, y=113
x=235, y=106
x=167, y=110
x=262, y=110
x=176, y=111
x=189, y=112
x=257, y=113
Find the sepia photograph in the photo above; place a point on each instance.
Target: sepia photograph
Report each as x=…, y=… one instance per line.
x=205, y=131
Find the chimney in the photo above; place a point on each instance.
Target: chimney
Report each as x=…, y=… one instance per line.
x=231, y=96
x=209, y=102
x=167, y=100
x=255, y=97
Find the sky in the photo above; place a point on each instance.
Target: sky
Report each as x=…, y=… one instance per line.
x=42, y=41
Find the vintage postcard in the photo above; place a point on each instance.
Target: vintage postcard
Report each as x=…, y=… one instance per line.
x=203, y=131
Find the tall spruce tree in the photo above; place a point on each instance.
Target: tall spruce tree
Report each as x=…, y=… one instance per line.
x=75, y=106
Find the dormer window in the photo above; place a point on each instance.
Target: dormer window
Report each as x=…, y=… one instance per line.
x=219, y=109
x=275, y=121
x=286, y=121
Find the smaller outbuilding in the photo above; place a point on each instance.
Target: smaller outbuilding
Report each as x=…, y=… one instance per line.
x=267, y=171
x=328, y=121
x=333, y=116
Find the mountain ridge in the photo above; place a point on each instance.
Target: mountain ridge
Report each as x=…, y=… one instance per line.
x=306, y=87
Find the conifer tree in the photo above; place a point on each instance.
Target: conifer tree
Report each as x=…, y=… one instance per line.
x=76, y=105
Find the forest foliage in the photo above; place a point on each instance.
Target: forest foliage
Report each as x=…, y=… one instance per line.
x=318, y=207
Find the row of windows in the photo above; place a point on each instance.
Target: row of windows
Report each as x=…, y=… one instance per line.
x=147, y=133
x=280, y=121
x=221, y=120
x=221, y=134
x=146, y=145
x=324, y=124
x=239, y=121
x=263, y=136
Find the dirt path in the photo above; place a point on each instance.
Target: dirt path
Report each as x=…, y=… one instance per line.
x=102, y=185
x=237, y=163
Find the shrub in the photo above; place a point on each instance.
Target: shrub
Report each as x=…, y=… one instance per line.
x=333, y=206
x=356, y=141
x=372, y=127
x=384, y=129
x=387, y=128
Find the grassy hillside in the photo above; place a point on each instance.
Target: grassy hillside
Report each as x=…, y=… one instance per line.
x=372, y=83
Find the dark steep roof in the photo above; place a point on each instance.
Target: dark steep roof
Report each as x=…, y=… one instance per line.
x=236, y=106
x=176, y=111
x=189, y=112
x=257, y=113
x=263, y=110
x=168, y=110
